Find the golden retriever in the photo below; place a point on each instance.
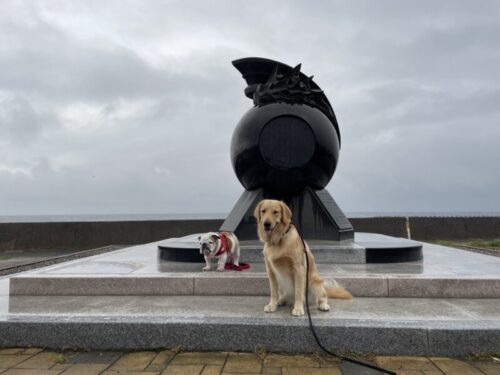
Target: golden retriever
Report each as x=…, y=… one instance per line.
x=285, y=261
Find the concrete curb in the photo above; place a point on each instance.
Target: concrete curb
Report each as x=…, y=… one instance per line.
x=58, y=259
x=246, y=334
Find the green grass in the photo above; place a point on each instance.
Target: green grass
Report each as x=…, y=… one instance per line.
x=480, y=243
x=445, y=242
x=481, y=356
x=61, y=359
x=484, y=243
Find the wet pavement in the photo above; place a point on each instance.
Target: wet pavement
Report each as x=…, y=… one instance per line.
x=143, y=259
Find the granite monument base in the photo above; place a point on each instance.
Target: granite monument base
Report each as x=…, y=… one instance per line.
x=365, y=248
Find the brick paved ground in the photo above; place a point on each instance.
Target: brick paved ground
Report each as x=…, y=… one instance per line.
x=33, y=361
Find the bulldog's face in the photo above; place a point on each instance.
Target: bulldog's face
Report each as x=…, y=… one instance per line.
x=209, y=243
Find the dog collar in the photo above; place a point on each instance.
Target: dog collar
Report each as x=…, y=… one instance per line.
x=223, y=245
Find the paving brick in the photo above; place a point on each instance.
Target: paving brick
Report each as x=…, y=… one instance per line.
x=311, y=371
x=243, y=363
x=452, y=366
x=271, y=370
x=124, y=372
x=328, y=361
x=489, y=368
x=276, y=360
x=11, y=351
x=12, y=360
x=61, y=366
x=19, y=371
x=43, y=360
x=211, y=370
x=133, y=361
x=95, y=357
x=405, y=363
x=182, y=370
x=85, y=369
x=160, y=361
x=199, y=358
x=33, y=350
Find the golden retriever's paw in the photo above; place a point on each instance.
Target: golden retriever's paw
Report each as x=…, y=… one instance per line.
x=206, y=269
x=270, y=308
x=323, y=306
x=298, y=311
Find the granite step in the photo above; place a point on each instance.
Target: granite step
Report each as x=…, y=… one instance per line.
x=249, y=284
x=389, y=326
x=443, y=273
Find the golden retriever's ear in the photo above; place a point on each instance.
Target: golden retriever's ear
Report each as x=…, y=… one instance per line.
x=286, y=214
x=256, y=212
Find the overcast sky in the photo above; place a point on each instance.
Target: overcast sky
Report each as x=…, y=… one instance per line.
x=129, y=106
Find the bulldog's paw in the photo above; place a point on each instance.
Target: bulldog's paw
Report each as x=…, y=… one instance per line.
x=323, y=306
x=298, y=311
x=220, y=269
x=206, y=268
x=270, y=308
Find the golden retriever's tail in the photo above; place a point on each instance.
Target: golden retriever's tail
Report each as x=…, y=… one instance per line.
x=335, y=290
x=338, y=292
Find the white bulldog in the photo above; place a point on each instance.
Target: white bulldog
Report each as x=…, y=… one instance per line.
x=219, y=245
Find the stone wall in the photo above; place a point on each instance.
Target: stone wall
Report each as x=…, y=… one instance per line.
x=87, y=235
x=392, y=226
x=454, y=228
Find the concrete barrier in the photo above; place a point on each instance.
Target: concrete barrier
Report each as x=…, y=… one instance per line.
x=391, y=226
x=454, y=228
x=87, y=235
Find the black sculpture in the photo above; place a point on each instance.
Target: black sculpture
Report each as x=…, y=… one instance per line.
x=286, y=147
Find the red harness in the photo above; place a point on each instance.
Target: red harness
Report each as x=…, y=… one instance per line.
x=224, y=248
x=223, y=245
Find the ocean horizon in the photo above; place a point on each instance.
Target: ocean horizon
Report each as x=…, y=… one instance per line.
x=207, y=216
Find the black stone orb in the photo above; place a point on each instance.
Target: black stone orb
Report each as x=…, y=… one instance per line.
x=284, y=148
x=290, y=139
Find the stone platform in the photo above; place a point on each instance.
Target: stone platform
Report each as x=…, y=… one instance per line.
x=138, y=270
x=366, y=248
x=447, y=304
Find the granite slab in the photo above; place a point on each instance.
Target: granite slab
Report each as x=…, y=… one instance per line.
x=383, y=326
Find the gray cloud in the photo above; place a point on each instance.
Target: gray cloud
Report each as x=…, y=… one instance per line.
x=20, y=122
x=123, y=107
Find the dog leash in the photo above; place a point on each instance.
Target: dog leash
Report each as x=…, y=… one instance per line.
x=313, y=330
